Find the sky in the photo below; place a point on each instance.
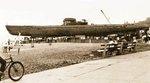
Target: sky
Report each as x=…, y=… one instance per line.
x=52, y=12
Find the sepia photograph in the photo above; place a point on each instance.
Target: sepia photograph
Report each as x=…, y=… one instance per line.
x=74, y=41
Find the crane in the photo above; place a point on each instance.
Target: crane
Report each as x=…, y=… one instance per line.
x=105, y=17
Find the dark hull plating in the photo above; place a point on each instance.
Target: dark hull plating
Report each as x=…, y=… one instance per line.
x=71, y=30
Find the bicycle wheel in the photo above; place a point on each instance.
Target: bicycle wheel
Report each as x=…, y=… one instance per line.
x=16, y=71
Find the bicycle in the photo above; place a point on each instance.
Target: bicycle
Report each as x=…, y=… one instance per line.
x=15, y=69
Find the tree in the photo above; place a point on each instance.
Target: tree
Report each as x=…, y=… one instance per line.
x=147, y=21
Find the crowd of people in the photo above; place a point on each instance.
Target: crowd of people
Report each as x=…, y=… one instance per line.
x=118, y=45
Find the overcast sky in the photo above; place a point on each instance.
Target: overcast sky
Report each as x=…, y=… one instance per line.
x=52, y=12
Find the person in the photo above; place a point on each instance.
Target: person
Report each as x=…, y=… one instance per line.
x=134, y=44
x=111, y=41
x=2, y=60
x=144, y=39
x=124, y=40
x=134, y=40
x=4, y=53
x=106, y=39
x=112, y=47
x=124, y=45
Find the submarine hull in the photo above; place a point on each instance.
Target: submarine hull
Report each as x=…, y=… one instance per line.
x=71, y=30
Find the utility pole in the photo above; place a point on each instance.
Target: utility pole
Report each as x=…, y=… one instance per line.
x=105, y=17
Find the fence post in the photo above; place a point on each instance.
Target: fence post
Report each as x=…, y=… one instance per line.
x=105, y=49
x=121, y=48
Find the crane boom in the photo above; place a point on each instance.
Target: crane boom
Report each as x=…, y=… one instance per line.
x=105, y=17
